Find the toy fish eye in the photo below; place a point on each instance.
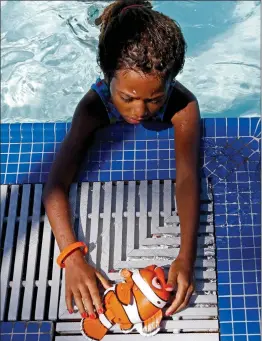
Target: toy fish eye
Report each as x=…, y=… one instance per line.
x=156, y=283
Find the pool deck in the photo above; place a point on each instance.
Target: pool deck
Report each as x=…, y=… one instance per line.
x=230, y=159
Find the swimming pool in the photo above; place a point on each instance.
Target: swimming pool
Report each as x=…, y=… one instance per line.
x=48, y=56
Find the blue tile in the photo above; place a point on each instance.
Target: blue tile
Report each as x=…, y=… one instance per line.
x=251, y=289
x=106, y=166
x=232, y=127
x=249, y=264
x=209, y=127
x=151, y=174
x=25, y=157
x=6, y=327
x=163, y=174
x=18, y=337
x=255, y=126
x=223, y=277
x=237, y=289
x=140, y=145
x=222, y=265
x=104, y=176
x=36, y=157
x=252, y=314
x=239, y=328
x=140, y=175
x=235, y=254
x=34, y=178
x=164, y=144
x=236, y=277
x=220, y=127
x=226, y=328
x=225, y=315
x=45, y=337
x=224, y=302
x=254, y=338
x=128, y=175
x=152, y=164
x=240, y=338
x=3, y=158
x=221, y=254
x=14, y=148
x=152, y=145
x=129, y=145
x=32, y=327
x=15, y=132
x=45, y=327
x=129, y=155
x=140, y=155
x=140, y=165
x=244, y=125
x=163, y=154
x=152, y=154
x=237, y=302
x=24, y=167
x=6, y=337
x=224, y=289
x=251, y=301
x=248, y=253
x=234, y=242
x=253, y=328
x=32, y=337
x=12, y=168
x=116, y=176
x=129, y=165
x=116, y=165
x=164, y=164
x=220, y=220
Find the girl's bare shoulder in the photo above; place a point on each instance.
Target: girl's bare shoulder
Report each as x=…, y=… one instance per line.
x=179, y=99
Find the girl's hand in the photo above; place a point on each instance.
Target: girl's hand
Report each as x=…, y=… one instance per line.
x=80, y=278
x=180, y=277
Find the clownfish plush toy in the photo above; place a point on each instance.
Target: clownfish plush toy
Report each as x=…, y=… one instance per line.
x=137, y=302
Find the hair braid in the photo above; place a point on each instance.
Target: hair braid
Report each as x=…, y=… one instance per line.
x=140, y=39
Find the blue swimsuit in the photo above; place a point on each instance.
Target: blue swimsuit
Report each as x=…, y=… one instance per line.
x=101, y=88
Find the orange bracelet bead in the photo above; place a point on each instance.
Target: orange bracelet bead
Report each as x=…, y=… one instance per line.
x=69, y=250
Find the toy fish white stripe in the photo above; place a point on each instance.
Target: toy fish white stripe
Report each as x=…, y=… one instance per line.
x=147, y=290
x=104, y=321
x=132, y=312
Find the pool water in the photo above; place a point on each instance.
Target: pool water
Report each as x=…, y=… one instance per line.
x=48, y=56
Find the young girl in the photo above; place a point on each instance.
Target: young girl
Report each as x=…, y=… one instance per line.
x=140, y=52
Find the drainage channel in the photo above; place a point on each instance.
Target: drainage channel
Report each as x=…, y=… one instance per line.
x=126, y=224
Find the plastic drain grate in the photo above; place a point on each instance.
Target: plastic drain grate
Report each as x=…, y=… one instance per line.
x=126, y=224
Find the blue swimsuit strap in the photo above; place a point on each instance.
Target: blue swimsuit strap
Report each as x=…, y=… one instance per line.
x=101, y=88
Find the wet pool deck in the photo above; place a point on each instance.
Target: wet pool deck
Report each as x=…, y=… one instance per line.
x=230, y=159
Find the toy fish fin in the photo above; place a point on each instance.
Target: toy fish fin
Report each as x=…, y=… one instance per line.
x=126, y=328
x=151, y=326
x=123, y=292
x=93, y=329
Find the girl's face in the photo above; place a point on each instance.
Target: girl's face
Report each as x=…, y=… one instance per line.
x=137, y=97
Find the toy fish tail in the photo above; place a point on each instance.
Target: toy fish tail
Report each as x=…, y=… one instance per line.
x=95, y=329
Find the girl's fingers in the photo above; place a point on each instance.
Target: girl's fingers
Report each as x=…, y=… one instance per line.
x=69, y=301
x=87, y=301
x=79, y=303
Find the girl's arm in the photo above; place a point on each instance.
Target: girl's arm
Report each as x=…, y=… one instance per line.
x=187, y=137
x=89, y=115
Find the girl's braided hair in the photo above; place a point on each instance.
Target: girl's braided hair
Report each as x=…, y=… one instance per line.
x=139, y=38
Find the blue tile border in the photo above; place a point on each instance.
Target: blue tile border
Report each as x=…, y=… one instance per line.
x=26, y=331
x=230, y=157
x=227, y=146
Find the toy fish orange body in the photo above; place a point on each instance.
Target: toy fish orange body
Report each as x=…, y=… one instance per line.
x=135, y=303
